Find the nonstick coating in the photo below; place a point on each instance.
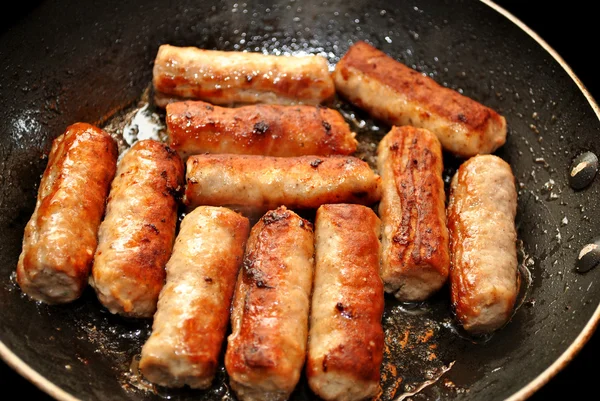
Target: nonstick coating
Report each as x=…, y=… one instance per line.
x=68, y=62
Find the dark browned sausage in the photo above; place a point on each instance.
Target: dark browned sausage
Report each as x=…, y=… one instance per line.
x=61, y=236
x=268, y=130
x=226, y=78
x=137, y=234
x=481, y=220
x=193, y=308
x=345, y=349
x=399, y=95
x=259, y=183
x=267, y=347
x=415, y=258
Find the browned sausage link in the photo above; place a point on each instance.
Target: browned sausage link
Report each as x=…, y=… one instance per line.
x=269, y=318
x=345, y=349
x=415, y=258
x=226, y=78
x=481, y=220
x=136, y=236
x=196, y=127
x=61, y=236
x=259, y=183
x=193, y=308
x=400, y=95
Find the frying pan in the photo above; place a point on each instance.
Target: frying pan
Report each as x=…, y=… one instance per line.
x=67, y=62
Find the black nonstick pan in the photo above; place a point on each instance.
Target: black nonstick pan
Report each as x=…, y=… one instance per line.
x=66, y=61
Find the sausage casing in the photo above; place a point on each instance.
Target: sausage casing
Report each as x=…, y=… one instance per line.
x=415, y=257
x=226, y=78
x=136, y=237
x=481, y=220
x=196, y=127
x=259, y=183
x=400, y=95
x=193, y=308
x=61, y=236
x=345, y=348
x=267, y=347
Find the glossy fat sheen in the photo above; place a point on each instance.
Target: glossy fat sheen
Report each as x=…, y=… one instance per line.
x=481, y=220
x=193, y=308
x=137, y=234
x=196, y=127
x=222, y=77
x=345, y=349
x=267, y=346
x=61, y=236
x=400, y=95
x=415, y=258
x=260, y=183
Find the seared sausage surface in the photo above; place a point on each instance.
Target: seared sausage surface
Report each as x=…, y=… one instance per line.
x=61, y=237
x=136, y=237
x=415, y=258
x=345, y=349
x=259, y=183
x=399, y=95
x=267, y=347
x=196, y=127
x=481, y=220
x=222, y=77
x=193, y=308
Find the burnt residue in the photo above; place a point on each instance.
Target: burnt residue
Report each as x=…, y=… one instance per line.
x=152, y=227
x=171, y=153
x=174, y=191
x=315, y=163
x=344, y=310
x=254, y=275
x=400, y=239
x=327, y=127
x=274, y=216
x=260, y=128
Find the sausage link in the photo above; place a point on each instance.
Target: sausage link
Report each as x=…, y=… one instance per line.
x=259, y=183
x=269, y=319
x=61, y=236
x=345, y=346
x=481, y=219
x=415, y=258
x=226, y=78
x=193, y=308
x=399, y=95
x=196, y=127
x=136, y=237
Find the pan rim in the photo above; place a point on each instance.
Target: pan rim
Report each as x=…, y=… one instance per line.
x=525, y=392
x=33, y=375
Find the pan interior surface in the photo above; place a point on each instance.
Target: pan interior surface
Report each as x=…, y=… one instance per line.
x=94, y=60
